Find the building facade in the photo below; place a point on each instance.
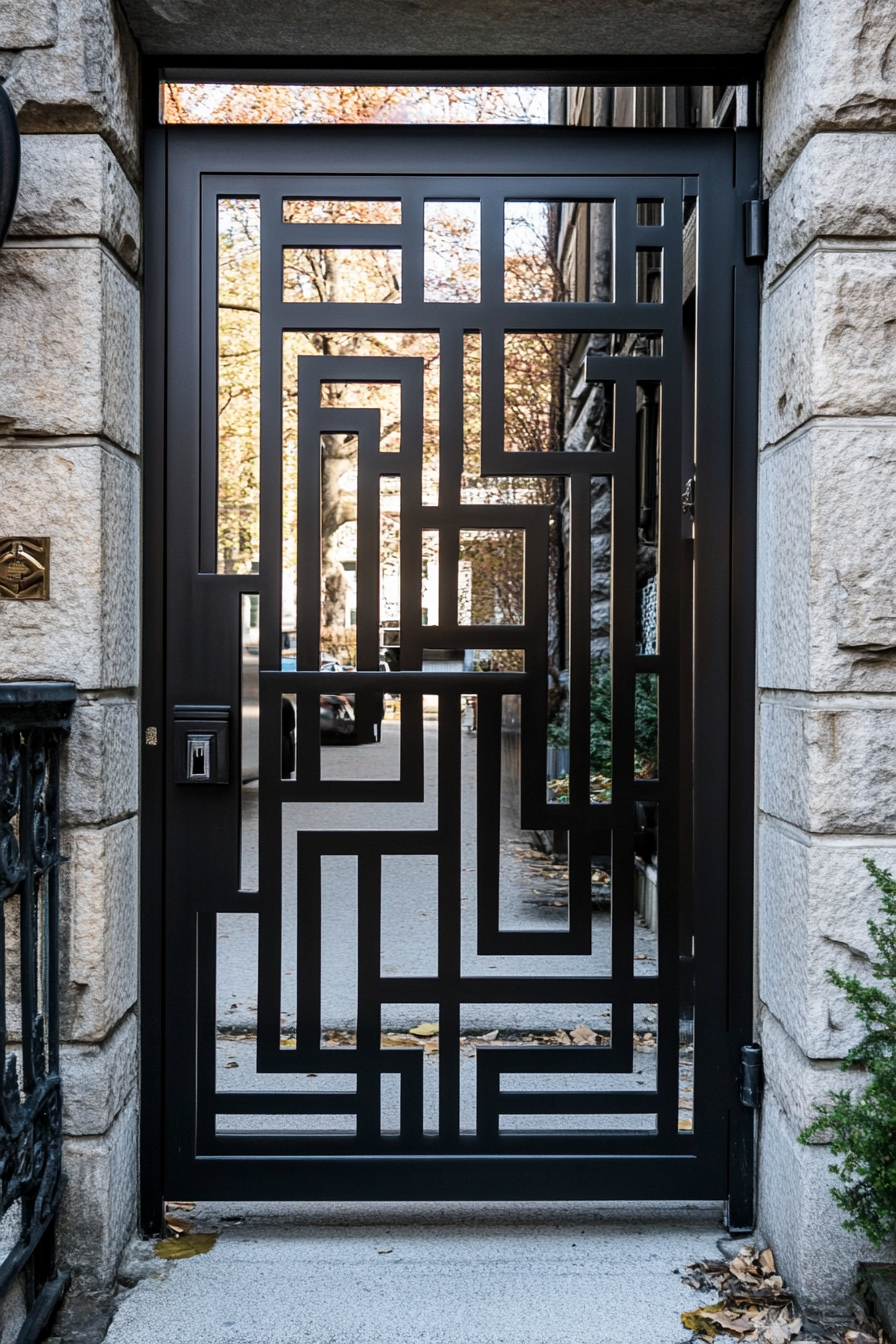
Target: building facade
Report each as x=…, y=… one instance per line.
x=71, y=364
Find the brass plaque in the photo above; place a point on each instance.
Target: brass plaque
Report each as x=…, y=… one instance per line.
x=24, y=569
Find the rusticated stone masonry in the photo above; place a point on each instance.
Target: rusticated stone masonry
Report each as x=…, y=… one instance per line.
x=70, y=419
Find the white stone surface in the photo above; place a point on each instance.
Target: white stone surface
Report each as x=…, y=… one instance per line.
x=829, y=67
x=800, y=1220
x=828, y=766
x=524, y=1273
x=840, y=186
x=800, y=1084
x=73, y=186
x=97, y=1214
x=98, y=935
x=98, y=1079
x=86, y=499
x=100, y=761
x=32, y=25
x=78, y=371
x=828, y=346
x=815, y=900
x=88, y=80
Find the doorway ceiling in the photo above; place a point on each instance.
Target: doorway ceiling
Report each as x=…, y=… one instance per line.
x=432, y=28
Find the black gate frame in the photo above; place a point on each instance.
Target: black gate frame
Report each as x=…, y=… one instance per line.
x=727, y=593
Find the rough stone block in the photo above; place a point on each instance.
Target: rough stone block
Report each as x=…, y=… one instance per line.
x=98, y=935
x=800, y=1084
x=99, y=766
x=98, y=1210
x=799, y=1219
x=86, y=499
x=829, y=67
x=78, y=369
x=73, y=185
x=829, y=768
x=32, y=25
x=88, y=80
x=841, y=186
x=828, y=341
x=827, y=534
x=98, y=1079
x=815, y=900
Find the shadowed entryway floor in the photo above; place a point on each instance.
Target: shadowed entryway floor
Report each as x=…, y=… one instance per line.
x=574, y=1273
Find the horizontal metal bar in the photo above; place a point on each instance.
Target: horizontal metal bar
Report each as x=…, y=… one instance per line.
x=286, y=1103
x=576, y=1103
x=731, y=68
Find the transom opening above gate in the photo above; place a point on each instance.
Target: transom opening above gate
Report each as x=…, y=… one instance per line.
x=256, y=102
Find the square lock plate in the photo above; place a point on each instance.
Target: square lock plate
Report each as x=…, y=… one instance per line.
x=202, y=744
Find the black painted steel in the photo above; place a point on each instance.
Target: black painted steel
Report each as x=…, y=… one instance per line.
x=34, y=718
x=704, y=662
x=10, y=163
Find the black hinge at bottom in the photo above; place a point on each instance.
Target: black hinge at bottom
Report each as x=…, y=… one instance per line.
x=751, y=1075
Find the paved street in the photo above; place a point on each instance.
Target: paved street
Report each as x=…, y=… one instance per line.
x=576, y=1273
x=530, y=896
x=533, y=896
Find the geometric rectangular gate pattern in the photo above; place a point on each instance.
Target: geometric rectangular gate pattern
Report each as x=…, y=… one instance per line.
x=458, y=924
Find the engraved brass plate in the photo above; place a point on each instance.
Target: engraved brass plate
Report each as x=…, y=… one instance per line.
x=24, y=569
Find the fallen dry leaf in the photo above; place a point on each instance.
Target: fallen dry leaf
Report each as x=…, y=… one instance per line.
x=701, y=1321
x=182, y=1248
x=583, y=1035
x=178, y=1225
x=425, y=1029
x=186, y=1204
x=767, y=1261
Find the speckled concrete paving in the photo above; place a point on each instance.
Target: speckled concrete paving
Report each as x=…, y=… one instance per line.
x=582, y=1273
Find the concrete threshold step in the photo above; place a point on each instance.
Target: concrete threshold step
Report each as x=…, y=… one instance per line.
x=402, y=1273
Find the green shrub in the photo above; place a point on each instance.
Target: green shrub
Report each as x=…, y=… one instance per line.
x=864, y=1127
x=645, y=722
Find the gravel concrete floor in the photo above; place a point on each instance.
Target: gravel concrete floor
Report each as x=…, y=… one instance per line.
x=575, y=1273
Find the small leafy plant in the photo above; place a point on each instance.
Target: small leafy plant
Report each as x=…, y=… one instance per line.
x=864, y=1126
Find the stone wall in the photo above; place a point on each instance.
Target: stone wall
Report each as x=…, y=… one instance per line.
x=69, y=469
x=827, y=600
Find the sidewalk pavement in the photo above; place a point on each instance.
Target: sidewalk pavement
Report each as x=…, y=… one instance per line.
x=573, y=1273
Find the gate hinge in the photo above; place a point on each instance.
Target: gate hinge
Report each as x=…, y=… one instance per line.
x=751, y=1075
x=689, y=498
x=755, y=230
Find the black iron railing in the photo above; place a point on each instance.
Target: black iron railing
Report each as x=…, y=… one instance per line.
x=34, y=718
x=10, y=157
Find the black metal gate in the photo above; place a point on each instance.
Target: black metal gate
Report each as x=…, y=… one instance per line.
x=450, y=807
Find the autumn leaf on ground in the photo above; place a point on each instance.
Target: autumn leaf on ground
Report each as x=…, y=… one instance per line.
x=583, y=1035
x=183, y=1248
x=701, y=1321
x=425, y=1029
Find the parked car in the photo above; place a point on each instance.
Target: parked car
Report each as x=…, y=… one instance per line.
x=337, y=716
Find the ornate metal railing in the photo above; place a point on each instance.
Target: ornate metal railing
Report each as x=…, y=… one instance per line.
x=34, y=718
x=10, y=155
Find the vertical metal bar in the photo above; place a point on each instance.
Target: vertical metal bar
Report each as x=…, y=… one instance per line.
x=152, y=715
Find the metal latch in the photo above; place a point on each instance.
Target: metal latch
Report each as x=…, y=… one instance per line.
x=201, y=744
x=755, y=230
x=751, y=1075
x=689, y=498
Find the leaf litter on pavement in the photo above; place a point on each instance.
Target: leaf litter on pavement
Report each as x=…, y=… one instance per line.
x=756, y=1305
